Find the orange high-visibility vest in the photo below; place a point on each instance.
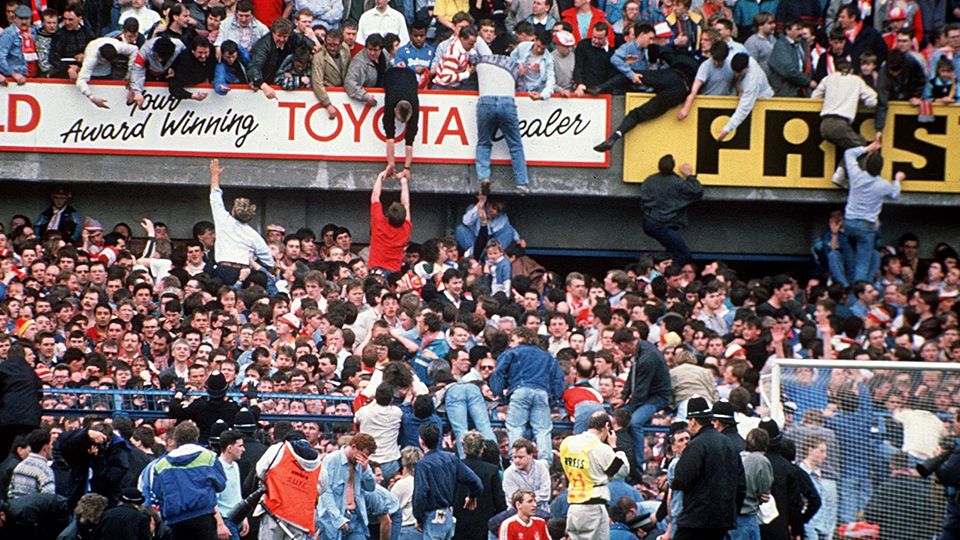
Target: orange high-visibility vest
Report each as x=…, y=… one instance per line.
x=292, y=492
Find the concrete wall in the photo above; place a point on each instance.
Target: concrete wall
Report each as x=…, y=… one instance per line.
x=569, y=208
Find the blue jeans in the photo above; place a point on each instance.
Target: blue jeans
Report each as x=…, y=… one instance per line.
x=493, y=113
x=434, y=530
x=748, y=528
x=640, y=417
x=841, y=266
x=389, y=469
x=465, y=405
x=234, y=530
x=582, y=413
x=853, y=496
x=669, y=238
x=410, y=532
x=466, y=238
x=531, y=405
x=863, y=236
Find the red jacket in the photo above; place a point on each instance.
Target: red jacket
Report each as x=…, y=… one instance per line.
x=570, y=16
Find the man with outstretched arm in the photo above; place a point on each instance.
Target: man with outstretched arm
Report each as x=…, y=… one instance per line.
x=238, y=246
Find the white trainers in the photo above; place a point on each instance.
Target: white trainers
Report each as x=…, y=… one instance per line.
x=840, y=178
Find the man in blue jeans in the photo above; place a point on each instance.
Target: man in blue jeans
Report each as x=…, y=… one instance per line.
x=497, y=109
x=864, y=203
x=648, y=389
x=665, y=197
x=532, y=379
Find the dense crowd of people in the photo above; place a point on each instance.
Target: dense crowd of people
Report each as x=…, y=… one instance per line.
x=383, y=370
x=294, y=385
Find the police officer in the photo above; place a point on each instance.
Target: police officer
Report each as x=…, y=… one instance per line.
x=589, y=461
x=711, y=476
x=948, y=473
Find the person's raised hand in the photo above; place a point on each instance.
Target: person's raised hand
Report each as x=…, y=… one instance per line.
x=686, y=169
x=215, y=167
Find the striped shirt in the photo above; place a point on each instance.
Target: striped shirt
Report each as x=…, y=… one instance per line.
x=453, y=66
x=31, y=476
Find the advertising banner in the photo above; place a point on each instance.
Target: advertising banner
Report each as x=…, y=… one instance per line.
x=779, y=145
x=55, y=117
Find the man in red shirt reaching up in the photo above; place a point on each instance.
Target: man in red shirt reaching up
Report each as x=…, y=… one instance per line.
x=390, y=230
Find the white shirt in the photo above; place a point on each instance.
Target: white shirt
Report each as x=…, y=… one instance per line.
x=383, y=424
x=843, y=93
x=403, y=490
x=145, y=16
x=94, y=66
x=390, y=21
x=235, y=240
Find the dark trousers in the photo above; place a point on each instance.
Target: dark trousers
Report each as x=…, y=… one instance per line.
x=198, y=528
x=228, y=274
x=670, y=90
x=684, y=533
x=8, y=434
x=669, y=238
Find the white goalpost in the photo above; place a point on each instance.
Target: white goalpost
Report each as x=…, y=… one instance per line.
x=860, y=429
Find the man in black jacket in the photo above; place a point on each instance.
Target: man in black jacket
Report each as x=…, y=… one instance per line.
x=472, y=524
x=193, y=69
x=216, y=406
x=125, y=521
x=268, y=53
x=19, y=397
x=66, y=49
x=785, y=489
x=96, y=457
x=592, y=60
x=725, y=422
x=901, y=79
x=711, y=501
x=35, y=517
x=648, y=389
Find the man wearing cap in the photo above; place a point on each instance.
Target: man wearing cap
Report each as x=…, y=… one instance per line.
x=216, y=406
x=785, y=489
x=18, y=50
x=590, y=462
x=246, y=423
x=238, y=245
x=564, y=62
x=725, y=423
x=125, y=521
x=711, y=502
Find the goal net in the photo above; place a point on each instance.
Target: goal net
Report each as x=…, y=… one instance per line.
x=860, y=428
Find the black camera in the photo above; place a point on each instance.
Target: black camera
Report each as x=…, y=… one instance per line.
x=244, y=508
x=642, y=523
x=930, y=465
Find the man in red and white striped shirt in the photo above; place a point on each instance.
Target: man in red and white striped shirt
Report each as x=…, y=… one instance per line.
x=525, y=525
x=455, y=69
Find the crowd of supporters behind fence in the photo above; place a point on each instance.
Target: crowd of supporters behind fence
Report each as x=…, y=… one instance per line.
x=210, y=343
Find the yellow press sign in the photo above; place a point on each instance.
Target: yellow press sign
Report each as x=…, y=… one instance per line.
x=779, y=145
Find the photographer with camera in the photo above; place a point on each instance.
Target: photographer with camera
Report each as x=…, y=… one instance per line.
x=589, y=461
x=946, y=467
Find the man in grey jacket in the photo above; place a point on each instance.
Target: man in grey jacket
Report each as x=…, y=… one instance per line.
x=365, y=71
